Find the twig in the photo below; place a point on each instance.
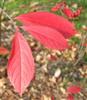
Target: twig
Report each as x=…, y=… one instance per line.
x=0, y=26
x=12, y=21
x=1, y=12
x=80, y=50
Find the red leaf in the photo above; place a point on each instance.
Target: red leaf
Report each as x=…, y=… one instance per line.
x=52, y=57
x=70, y=97
x=3, y=51
x=68, y=12
x=58, y=6
x=47, y=36
x=74, y=89
x=21, y=64
x=85, y=45
x=51, y=20
x=52, y=98
x=78, y=12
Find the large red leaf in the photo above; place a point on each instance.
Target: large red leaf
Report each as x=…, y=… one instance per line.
x=21, y=64
x=73, y=89
x=47, y=36
x=49, y=19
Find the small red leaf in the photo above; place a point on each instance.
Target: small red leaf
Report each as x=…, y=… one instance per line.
x=85, y=45
x=3, y=51
x=58, y=6
x=51, y=20
x=52, y=98
x=70, y=97
x=68, y=12
x=73, y=89
x=52, y=57
x=47, y=36
x=78, y=12
x=21, y=64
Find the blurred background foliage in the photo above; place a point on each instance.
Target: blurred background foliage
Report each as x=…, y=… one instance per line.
x=16, y=7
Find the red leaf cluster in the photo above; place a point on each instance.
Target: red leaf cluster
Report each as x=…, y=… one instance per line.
x=49, y=29
x=66, y=10
x=70, y=14
x=49, y=20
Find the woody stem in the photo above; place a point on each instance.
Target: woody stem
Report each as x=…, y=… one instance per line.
x=1, y=12
x=0, y=26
